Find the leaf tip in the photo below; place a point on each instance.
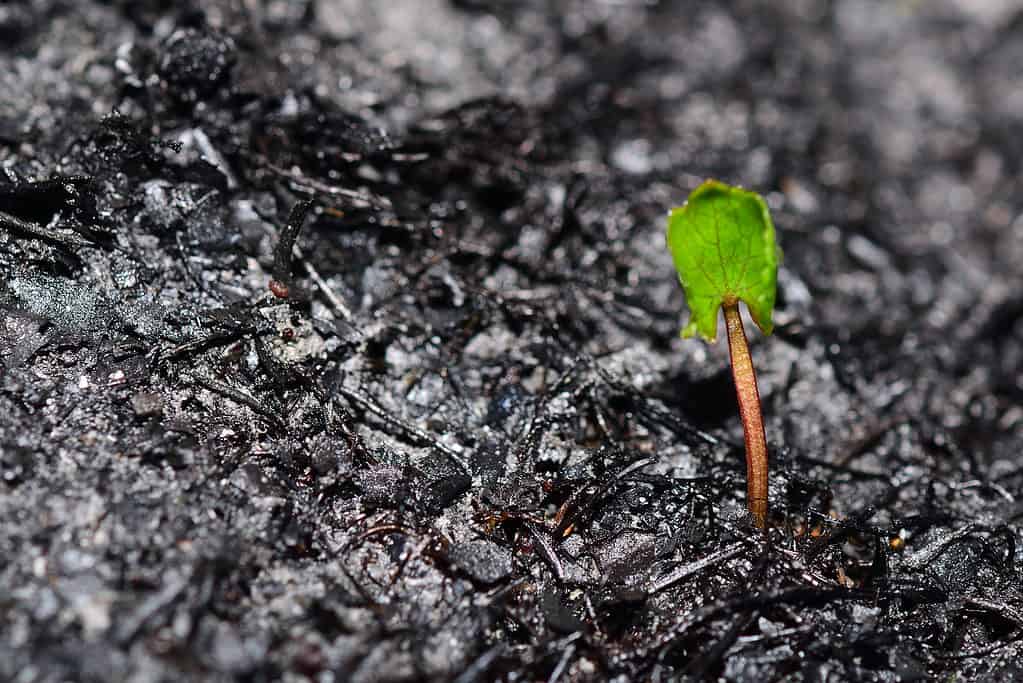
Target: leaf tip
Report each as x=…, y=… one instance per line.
x=764, y=325
x=702, y=323
x=690, y=330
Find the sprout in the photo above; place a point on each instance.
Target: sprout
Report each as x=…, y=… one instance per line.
x=722, y=242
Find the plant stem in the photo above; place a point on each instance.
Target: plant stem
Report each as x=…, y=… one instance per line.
x=752, y=419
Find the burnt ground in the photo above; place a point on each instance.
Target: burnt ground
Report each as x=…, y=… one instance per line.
x=461, y=439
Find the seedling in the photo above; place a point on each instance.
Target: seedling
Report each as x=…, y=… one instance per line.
x=722, y=242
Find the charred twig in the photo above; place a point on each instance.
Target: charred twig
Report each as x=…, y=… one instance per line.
x=529, y=444
x=67, y=239
x=805, y=596
x=477, y=670
x=549, y=552
x=654, y=413
x=701, y=667
x=281, y=284
x=338, y=418
x=193, y=276
x=984, y=485
x=695, y=568
x=239, y=396
x=337, y=305
x=286, y=250
x=971, y=654
x=1006, y=612
x=128, y=627
x=409, y=431
x=571, y=512
x=566, y=657
x=205, y=343
x=301, y=182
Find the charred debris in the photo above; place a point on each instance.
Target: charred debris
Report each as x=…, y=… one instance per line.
x=297, y=385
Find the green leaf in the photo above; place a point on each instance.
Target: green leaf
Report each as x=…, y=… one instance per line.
x=722, y=242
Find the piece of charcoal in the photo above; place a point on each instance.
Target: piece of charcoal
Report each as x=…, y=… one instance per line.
x=483, y=560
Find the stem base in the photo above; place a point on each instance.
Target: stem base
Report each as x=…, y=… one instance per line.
x=752, y=419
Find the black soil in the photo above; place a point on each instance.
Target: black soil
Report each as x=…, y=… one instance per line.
x=339, y=340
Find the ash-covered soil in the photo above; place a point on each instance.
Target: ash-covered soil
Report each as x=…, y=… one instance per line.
x=339, y=341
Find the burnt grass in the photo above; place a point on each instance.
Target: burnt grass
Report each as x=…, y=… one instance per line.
x=339, y=341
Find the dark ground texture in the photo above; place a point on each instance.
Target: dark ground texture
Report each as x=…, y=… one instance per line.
x=467, y=443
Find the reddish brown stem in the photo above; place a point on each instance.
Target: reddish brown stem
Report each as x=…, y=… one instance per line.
x=752, y=419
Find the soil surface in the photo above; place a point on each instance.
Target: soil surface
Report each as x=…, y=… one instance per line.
x=339, y=341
